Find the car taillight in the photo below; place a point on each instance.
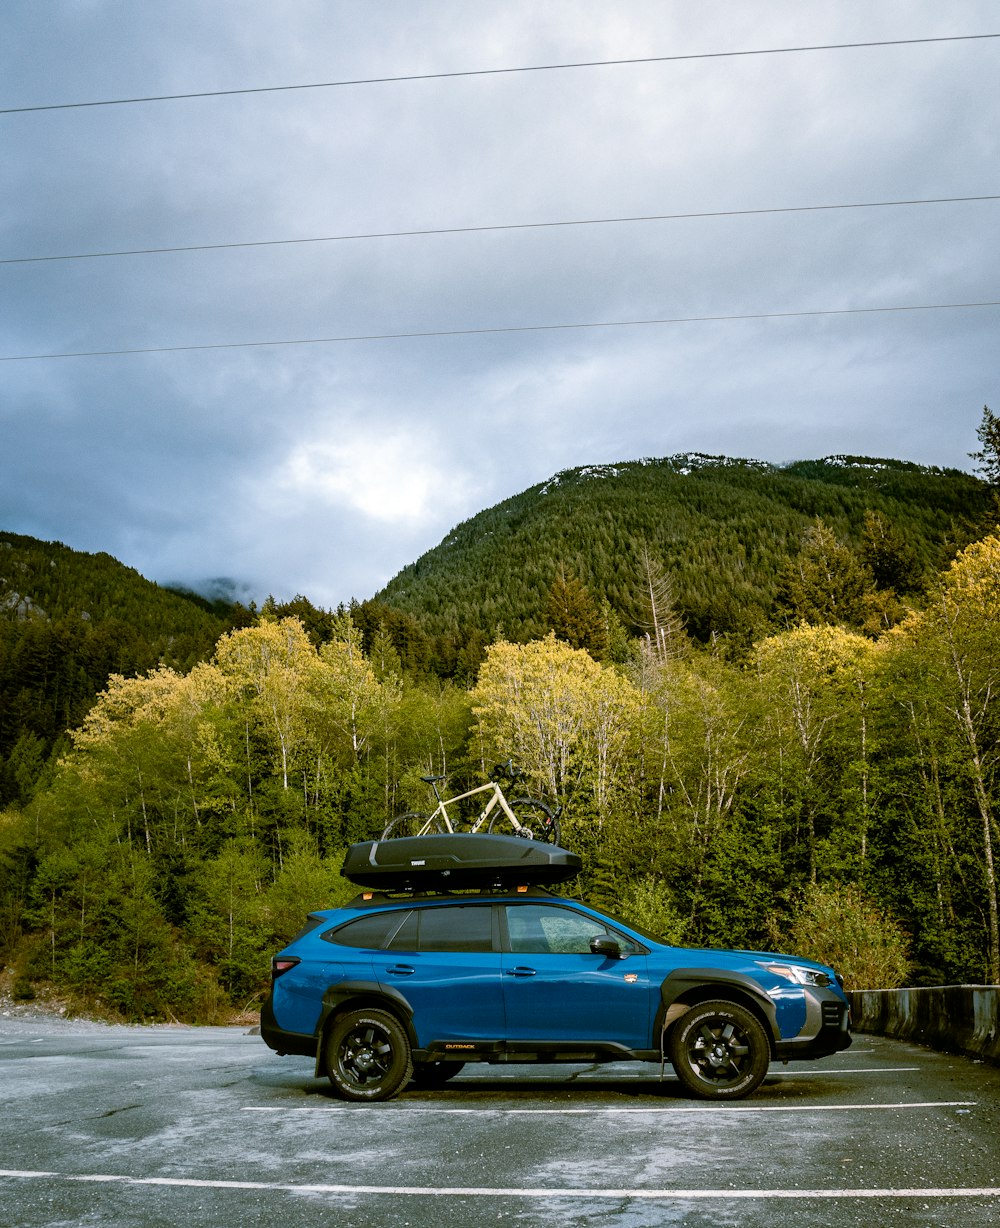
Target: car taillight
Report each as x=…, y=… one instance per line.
x=281, y=964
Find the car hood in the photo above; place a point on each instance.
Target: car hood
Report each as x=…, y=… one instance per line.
x=734, y=958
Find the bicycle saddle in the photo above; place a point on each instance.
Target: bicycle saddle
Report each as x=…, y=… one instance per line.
x=432, y=780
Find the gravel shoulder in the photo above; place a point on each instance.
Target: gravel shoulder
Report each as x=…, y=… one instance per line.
x=18, y=1019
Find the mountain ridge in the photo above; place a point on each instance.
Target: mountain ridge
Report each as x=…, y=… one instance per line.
x=701, y=515
x=724, y=532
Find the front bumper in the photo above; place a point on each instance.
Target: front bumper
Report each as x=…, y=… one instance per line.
x=827, y=1029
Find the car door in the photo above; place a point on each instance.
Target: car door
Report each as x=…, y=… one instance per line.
x=445, y=962
x=556, y=989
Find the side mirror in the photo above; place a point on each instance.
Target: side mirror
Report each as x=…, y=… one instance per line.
x=606, y=946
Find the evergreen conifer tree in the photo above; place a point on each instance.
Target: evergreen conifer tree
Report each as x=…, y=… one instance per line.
x=571, y=613
x=988, y=457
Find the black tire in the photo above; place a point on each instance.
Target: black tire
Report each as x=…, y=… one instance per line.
x=435, y=1074
x=719, y=1051
x=368, y=1055
x=410, y=825
x=539, y=822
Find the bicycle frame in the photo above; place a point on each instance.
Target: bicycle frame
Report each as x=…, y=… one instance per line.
x=538, y=822
x=498, y=799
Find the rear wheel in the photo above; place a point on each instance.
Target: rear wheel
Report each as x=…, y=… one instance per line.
x=537, y=821
x=719, y=1051
x=368, y=1056
x=412, y=824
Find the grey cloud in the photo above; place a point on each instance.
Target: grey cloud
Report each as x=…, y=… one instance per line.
x=324, y=469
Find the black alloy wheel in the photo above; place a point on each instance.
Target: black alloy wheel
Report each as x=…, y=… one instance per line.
x=719, y=1051
x=368, y=1055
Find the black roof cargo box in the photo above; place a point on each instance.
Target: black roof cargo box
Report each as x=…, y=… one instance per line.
x=457, y=861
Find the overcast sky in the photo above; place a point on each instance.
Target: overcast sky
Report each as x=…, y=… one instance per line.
x=324, y=468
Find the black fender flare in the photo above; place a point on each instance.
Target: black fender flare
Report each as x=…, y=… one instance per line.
x=365, y=993
x=685, y=987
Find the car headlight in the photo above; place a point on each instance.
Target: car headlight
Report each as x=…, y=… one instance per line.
x=798, y=974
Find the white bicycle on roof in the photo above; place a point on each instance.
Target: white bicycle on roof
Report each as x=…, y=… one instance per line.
x=527, y=817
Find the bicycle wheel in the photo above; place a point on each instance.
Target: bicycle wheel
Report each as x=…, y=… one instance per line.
x=412, y=824
x=537, y=821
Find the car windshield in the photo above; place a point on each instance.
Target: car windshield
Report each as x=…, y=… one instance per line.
x=636, y=929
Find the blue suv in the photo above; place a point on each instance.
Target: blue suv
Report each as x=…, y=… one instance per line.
x=411, y=985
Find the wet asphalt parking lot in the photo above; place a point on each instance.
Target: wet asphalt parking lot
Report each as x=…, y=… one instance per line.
x=203, y=1127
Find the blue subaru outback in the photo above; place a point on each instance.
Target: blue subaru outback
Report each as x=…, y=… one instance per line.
x=457, y=955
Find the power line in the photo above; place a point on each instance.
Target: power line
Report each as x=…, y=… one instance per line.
x=483, y=332
x=458, y=230
x=494, y=72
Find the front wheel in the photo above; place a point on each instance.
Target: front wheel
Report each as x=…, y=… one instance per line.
x=719, y=1051
x=537, y=821
x=368, y=1056
x=411, y=824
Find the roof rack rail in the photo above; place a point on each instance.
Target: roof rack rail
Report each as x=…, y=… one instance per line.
x=371, y=898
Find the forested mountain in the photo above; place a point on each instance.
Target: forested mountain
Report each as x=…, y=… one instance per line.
x=764, y=699
x=716, y=542
x=724, y=532
x=68, y=620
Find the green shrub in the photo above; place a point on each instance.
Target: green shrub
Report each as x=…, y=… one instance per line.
x=838, y=925
x=23, y=990
x=646, y=902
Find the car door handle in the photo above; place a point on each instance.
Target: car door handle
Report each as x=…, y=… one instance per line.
x=401, y=970
x=520, y=971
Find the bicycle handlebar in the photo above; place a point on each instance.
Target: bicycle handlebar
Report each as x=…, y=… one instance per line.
x=506, y=770
x=501, y=771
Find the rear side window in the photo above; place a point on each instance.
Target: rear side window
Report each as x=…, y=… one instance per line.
x=461, y=927
x=311, y=923
x=372, y=931
x=454, y=927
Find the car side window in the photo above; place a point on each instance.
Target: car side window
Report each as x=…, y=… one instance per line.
x=545, y=929
x=370, y=932
x=310, y=925
x=406, y=937
x=454, y=927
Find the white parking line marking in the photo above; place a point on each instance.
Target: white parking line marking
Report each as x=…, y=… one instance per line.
x=592, y=1112
x=599, y=1077
x=423, y=1191
x=816, y=1074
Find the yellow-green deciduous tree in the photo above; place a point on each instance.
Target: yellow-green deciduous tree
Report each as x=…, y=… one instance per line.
x=145, y=755
x=948, y=662
x=814, y=687
x=275, y=669
x=697, y=751
x=565, y=719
